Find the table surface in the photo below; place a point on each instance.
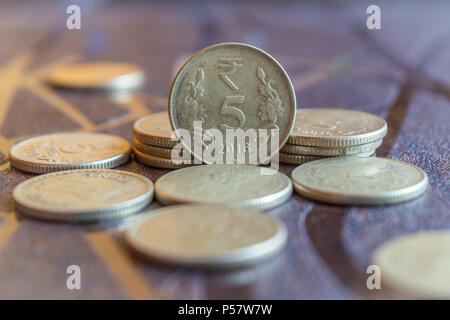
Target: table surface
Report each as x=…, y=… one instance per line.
x=401, y=73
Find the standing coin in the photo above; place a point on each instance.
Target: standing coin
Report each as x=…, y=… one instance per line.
x=233, y=185
x=359, y=181
x=417, y=264
x=67, y=151
x=83, y=195
x=336, y=128
x=208, y=236
x=154, y=130
x=98, y=75
x=232, y=86
x=330, y=152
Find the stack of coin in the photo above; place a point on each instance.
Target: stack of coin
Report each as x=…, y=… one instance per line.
x=323, y=133
x=153, y=143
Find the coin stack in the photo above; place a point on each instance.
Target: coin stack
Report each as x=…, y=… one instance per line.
x=324, y=133
x=153, y=143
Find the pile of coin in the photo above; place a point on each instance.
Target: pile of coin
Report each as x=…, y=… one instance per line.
x=154, y=142
x=323, y=133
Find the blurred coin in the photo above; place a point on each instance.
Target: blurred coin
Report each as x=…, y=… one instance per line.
x=417, y=264
x=67, y=151
x=299, y=159
x=98, y=75
x=154, y=130
x=330, y=152
x=336, y=128
x=233, y=185
x=233, y=86
x=158, y=162
x=83, y=195
x=359, y=180
x=208, y=236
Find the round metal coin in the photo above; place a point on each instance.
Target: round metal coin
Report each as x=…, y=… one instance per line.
x=67, y=151
x=232, y=185
x=231, y=86
x=154, y=130
x=330, y=152
x=299, y=159
x=336, y=128
x=208, y=236
x=158, y=162
x=359, y=181
x=98, y=75
x=83, y=195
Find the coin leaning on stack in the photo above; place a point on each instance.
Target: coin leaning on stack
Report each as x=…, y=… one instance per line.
x=153, y=143
x=324, y=133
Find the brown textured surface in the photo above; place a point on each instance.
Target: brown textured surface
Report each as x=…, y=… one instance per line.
x=400, y=73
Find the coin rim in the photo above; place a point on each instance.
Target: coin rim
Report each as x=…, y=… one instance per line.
x=284, y=74
x=330, y=152
x=120, y=209
x=33, y=167
x=152, y=150
x=340, y=141
x=378, y=198
x=157, y=162
x=152, y=139
x=248, y=255
x=296, y=159
x=262, y=203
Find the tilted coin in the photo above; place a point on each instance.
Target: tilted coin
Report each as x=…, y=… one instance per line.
x=98, y=75
x=154, y=130
x=335, y=128
x=83, y=195
x=232, y=86
x=417, y=264
x=233, y=185
x=158, y=162
x=359, y=181
x=208, y=236
x=67, y=151
x=322, y=151
x=299, y=159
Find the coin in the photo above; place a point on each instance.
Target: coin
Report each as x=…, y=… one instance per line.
x=232, y=86
x=233, y=185
x=299, y=159
x=158, y=162
x=98, y=75
x=336, y=128
x=359, y=180
x=417, y=264
x=67, y=151
x=322, y=151
x=83, y=195
x=208, y=236
x=154, y=130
